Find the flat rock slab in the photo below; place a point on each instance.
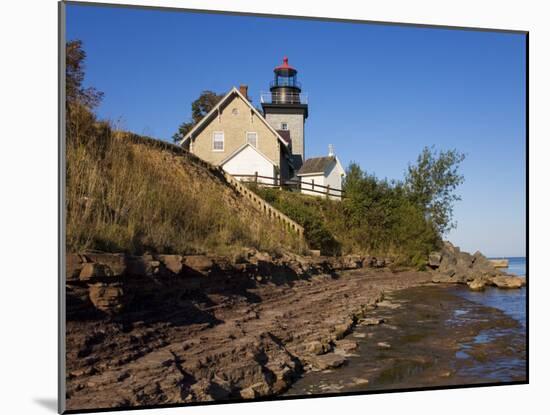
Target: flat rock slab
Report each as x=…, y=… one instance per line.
x=328, y=361
x=213, y=344
x=388, y=304
x=346, y=346
x=504, y=281
x=372, y=321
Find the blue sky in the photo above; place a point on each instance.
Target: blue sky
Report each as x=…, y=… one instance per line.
x=379, y=93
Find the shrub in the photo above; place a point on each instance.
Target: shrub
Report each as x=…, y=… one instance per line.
x=376, y=218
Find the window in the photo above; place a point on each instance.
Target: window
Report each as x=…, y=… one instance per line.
x=252, y=139
x=218, y=141
x=284, y=126
x=235, y=111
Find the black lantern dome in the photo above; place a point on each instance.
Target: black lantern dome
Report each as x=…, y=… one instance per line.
x=285, y=88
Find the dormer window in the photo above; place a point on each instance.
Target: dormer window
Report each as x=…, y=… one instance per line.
x=284, y=126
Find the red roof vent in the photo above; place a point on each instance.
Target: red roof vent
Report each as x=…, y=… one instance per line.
x=285, y=65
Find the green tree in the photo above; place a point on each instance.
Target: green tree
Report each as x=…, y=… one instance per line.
x=76, y=94
x=199, y=108
x=431, y=184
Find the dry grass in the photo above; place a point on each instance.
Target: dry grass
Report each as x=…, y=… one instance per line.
x=126, y=195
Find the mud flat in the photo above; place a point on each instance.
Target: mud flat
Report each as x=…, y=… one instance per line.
x=430, y=336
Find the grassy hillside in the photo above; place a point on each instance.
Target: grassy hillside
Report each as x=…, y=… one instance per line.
x=133, y=194
x=127, y=193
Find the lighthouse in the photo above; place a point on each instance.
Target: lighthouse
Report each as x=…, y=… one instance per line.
x=285, y=108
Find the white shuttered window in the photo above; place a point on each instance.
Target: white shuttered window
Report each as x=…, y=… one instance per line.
x=252, y=139
x=218, y=141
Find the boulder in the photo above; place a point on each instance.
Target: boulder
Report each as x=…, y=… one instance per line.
x=262, y=256
x=352, y=262
x=379, y=263
x=109, y=298
x=341, y=330
x=368, y=262
x=478, y=257
x=461, y=267
x=92, y=270
x=173, y=263
x=477, y=284
x=372, y=321
x=240, y=257
x=483, y=266
x=328, y=361
x=447, y=263
x=315, y=347
x=283, y=377
x=73, y=267
x=256, y=390
x=434, y=259
x=210, y=390
x=464, y=260
x=464, y=274
x=346, y=346
x=499, y=263
x=115, y=262
x=444, y=277
x=139, y=265
x=199, y=263
x=508, y=281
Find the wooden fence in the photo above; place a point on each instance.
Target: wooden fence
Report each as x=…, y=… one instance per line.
x=291, y=184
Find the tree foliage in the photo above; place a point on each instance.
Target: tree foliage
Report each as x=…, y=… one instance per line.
x=76, y=94
x=431, y=183
x=400, y=219
x=199, y=108
x=379, y=218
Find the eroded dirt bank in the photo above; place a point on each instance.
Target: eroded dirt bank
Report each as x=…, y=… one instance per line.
x=228, y=342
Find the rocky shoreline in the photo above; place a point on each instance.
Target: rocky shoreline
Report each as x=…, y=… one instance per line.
x=430, y=336
x=458, y=267
x=167, y=329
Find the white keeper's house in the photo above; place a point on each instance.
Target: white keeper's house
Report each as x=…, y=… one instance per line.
x=267, y=145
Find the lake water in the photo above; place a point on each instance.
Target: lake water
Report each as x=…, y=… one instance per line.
x=512, y=302
x=421, y=347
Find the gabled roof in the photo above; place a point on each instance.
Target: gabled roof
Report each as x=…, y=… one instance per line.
x=241, y=148
x=316, y=165
x=227, y=97
x=319, y=165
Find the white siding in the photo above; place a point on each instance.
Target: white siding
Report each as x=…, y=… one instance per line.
x=307, y=187
x=249, y=161
x=332, y=177
x=334, y=180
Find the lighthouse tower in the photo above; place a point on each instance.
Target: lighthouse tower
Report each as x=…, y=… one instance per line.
x=286, y=109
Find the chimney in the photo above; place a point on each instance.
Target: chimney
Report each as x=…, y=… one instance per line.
x=243, y=89
x=330, y=150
